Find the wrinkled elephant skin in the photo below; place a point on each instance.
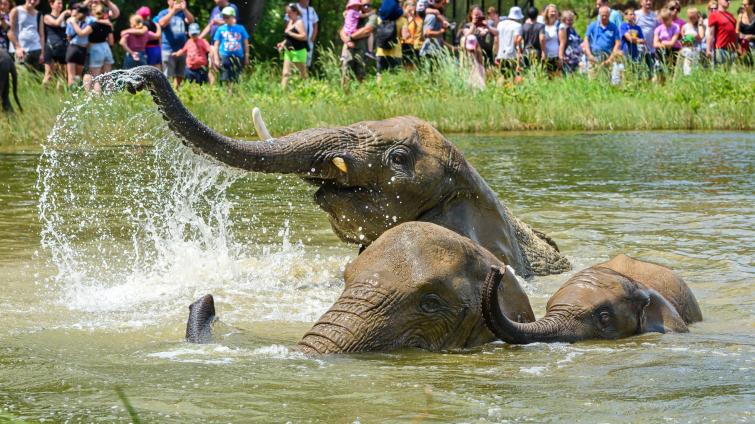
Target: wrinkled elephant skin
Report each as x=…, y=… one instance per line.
x=619, y=298
x=371, y=176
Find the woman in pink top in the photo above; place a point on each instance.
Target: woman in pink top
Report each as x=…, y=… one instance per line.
x=665, y=38
x=134, y=41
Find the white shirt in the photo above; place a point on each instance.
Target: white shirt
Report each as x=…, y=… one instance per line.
x=309, y=18
x=507, y=32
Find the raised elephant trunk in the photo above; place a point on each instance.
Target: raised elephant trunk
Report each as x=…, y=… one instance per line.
x=299, y=153
x=547, y=329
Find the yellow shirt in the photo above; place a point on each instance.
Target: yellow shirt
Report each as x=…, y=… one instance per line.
x=415, y=33
x=396, y=50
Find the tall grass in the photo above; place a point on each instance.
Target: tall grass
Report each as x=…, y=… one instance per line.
x=707, y=100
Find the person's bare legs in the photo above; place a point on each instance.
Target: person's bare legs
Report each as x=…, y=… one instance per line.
x=286, y=73
x=302, y=67
x=49, y=71
x=73, y=71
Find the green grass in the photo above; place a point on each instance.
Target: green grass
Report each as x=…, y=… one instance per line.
x=709, y=100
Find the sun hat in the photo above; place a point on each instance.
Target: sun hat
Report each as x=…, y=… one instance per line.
x=194, y=29
x=515, y=13
x=353, y=3
x=228, y=11
x=144, y=12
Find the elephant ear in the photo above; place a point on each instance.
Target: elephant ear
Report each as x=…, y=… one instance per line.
x=660, y=316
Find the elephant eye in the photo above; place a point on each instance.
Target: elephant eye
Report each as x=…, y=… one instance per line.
x=605, y=318
x=398, y=158
x=430, y=303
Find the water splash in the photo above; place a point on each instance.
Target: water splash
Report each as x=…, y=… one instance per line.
x=139, y=229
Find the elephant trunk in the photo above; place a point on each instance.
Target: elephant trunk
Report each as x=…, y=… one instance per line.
x=301, y=153
x=547, y=329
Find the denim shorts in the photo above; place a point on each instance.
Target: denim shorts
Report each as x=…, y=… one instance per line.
x=230, y=68
x=100, y=54
x=129, y=62
x=154, y=55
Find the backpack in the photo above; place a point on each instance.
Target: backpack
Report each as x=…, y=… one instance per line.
x=386, y=34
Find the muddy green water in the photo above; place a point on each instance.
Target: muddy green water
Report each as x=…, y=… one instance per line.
x=102, y=250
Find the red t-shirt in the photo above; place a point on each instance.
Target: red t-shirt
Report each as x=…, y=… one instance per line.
x=725, y=33
x=196, y=53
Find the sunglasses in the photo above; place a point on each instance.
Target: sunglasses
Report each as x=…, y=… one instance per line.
x=676, y=9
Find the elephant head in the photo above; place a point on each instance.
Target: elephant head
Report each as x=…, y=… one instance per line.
x=371, y=176
x=596, y=303
x=418, y=286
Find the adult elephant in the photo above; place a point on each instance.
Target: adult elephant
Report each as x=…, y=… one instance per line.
x=417, y=286
x=372, y=176
x=618, y=298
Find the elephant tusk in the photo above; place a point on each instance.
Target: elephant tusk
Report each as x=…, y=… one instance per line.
x=340, y=164
x=259, y=125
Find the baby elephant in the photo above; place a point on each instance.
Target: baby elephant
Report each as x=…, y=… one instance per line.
x=618, y=298
x=417, y=286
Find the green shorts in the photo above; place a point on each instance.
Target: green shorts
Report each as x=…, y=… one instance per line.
x=295, y=56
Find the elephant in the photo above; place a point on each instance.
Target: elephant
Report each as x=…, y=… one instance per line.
x=371, y=176
x=8, y=76
x=417, y=286
x=615, y=299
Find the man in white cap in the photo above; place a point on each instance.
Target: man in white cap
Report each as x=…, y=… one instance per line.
x=506, y=47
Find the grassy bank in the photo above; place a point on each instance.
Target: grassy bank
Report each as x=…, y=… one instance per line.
x=710, y=100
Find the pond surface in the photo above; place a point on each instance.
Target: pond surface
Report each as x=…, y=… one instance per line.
x=103, y=248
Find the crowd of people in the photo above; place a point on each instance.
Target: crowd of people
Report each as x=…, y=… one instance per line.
x=76, y=40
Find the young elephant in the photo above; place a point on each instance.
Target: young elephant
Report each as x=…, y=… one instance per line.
x=418, y=285
x=619, y=298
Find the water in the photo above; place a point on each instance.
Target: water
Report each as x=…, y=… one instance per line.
x=103, y=249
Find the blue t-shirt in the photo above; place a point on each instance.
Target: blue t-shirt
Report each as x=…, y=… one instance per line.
x=630, y=50
x=602, y=39
x=217, y=13
x=174, y=34
x=231, y=40
x=81, y=41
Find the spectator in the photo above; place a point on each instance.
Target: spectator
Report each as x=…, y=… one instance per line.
x=570, y=44
x=722, y=42
x=472, y=53
x=111, y=8
x=531, y=41
x=615, y=15
x=550, y=31
x=354, y=59
x=152, y=49
x=665, y=40
x=602, y=41
x=216, y=18
x=294, y=46
x=100, y=40
x=231, y=47
x=311, y=24
x=5, y=7
x=173, y=22
x=77, y=30
x=647, y=21
x=674, y=6
x=55, y=40
x=196, y=50
x=632, y=37
x=484, y=34
x=746, y=30
x=411, y=34
x=433, y=29
x=351, y=17
x=508, y=30
x=693, y=33
x=135, y=43
x=493, y=18
x=391, y=24
x=26, y=35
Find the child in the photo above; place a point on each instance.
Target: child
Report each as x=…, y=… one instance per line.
x=473, y=52
x=196, y=49
x=231, y=47
x=351, y=17
x=134, y=42
x=632, y=38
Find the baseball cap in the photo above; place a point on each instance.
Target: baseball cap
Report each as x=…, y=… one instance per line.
x=144, y=12
x=194, y=29
x=228, y=11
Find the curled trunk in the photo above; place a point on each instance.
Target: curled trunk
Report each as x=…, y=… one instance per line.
x=299, y=153
x=547, y=329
